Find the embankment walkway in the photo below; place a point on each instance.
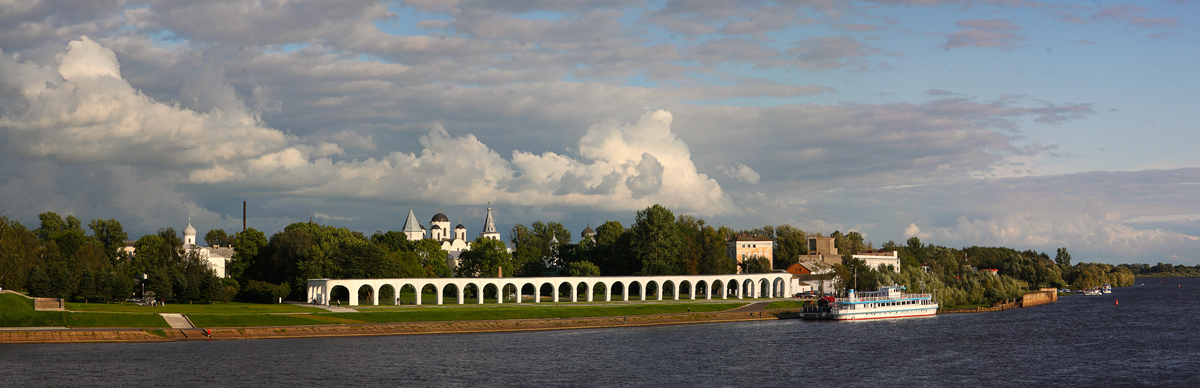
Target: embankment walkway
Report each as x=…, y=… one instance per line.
x=407, y=328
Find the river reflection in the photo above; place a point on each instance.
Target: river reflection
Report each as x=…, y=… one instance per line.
x=1080, y=341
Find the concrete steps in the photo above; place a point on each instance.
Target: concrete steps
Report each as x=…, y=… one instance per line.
x=177, y=321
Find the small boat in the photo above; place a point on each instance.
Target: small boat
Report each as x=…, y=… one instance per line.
x=1092, y=291
x=1107, y=289
x=887, y=303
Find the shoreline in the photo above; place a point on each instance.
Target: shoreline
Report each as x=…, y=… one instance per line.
x=113, y=335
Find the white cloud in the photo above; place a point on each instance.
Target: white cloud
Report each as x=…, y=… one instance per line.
x=88, y=113
x=740, y=173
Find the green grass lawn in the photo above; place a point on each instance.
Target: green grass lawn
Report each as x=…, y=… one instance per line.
x=249, y=320
x=17, y=311
x=454, y=313
x=527, y=311
x=89, y=319
x=218, y=308
x=786, y=304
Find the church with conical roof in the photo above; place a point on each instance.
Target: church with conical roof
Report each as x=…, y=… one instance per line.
x=453, y=240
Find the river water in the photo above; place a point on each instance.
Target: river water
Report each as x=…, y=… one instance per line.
x=1149, y=338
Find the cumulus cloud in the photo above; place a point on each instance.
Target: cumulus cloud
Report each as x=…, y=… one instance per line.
x=621, y=166
x=740, y=173
x=80, y=109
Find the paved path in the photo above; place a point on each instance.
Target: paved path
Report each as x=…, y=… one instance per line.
x=177, y=321
x=334, y=308
x=760, y=306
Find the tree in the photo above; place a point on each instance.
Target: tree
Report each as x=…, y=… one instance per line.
x=612, y=250
x=484, y=258
x=756, y=264
x=1062, y=257
x=790, y=243
x=527, y=261
x=67, y=235
x=219, y=238
x=246, y=248
x=850, y=244
x=392, y=241
x=582, y=268
x=856, y=274
x=110, y=234
x=656, y=241
x=19, y=253
x=432, y=258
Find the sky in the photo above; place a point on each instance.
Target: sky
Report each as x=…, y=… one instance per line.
x=1025, y=124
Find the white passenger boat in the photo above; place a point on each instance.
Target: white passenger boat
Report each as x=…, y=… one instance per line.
x=887, y=303
x=1107, y=289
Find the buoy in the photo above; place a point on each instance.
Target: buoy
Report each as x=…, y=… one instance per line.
x=1117, y=302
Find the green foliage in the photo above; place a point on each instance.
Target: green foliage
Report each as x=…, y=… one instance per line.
x=19, y=248
x=218, y=237
x=656, y=241
x=1162, y=269
x=612, y=254
x=582, y=268
x=484, y=258
x=264, y=292
x=432, y=258
x=756, y=264
x=110, y=234
x=856, y=274
x=67, y=234
x=1062, y=257
x=246, y=248
x=392, y=241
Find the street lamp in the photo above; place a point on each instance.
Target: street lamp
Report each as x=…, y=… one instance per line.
x=144, y=277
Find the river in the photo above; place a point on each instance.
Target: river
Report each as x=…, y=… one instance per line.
x=1149, y=338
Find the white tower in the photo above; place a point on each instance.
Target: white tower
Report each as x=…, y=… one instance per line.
x=412, y=229
x=189, y=234
x=489, y=227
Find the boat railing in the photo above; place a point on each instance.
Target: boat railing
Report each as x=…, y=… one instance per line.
x=884, y=298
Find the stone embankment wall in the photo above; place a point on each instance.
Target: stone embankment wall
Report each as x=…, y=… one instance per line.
x=1038, y=298
x=1044, y=296
x=49, y=304
x=446, y=327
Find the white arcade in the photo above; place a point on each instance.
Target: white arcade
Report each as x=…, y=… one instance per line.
x=580, y=288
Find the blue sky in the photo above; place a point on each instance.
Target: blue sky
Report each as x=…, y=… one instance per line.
x=1033, y=125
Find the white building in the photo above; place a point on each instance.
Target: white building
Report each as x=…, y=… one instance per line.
x=217, y=257
x=880, y=258
x=454, y=241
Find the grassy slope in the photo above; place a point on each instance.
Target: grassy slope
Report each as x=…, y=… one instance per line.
x=218, y=308
x=786, y=304
x=17, y=311
x=86, y=319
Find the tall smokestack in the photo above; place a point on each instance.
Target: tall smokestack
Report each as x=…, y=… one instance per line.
x=243, y=216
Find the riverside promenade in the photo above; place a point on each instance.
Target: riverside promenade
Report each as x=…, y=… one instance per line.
x=747, y=313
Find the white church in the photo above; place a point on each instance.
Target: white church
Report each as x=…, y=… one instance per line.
x=454, y=241
x=217, y=256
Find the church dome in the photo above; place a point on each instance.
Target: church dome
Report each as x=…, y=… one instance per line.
x=435, y=227
x=189, y=231
x=440, y=218
x=460, y=226
x=588, y=232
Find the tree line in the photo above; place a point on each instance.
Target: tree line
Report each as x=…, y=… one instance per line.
x=953, y=274
x=60, y=259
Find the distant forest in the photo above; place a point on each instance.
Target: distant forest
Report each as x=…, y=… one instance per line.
x=60, y=259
